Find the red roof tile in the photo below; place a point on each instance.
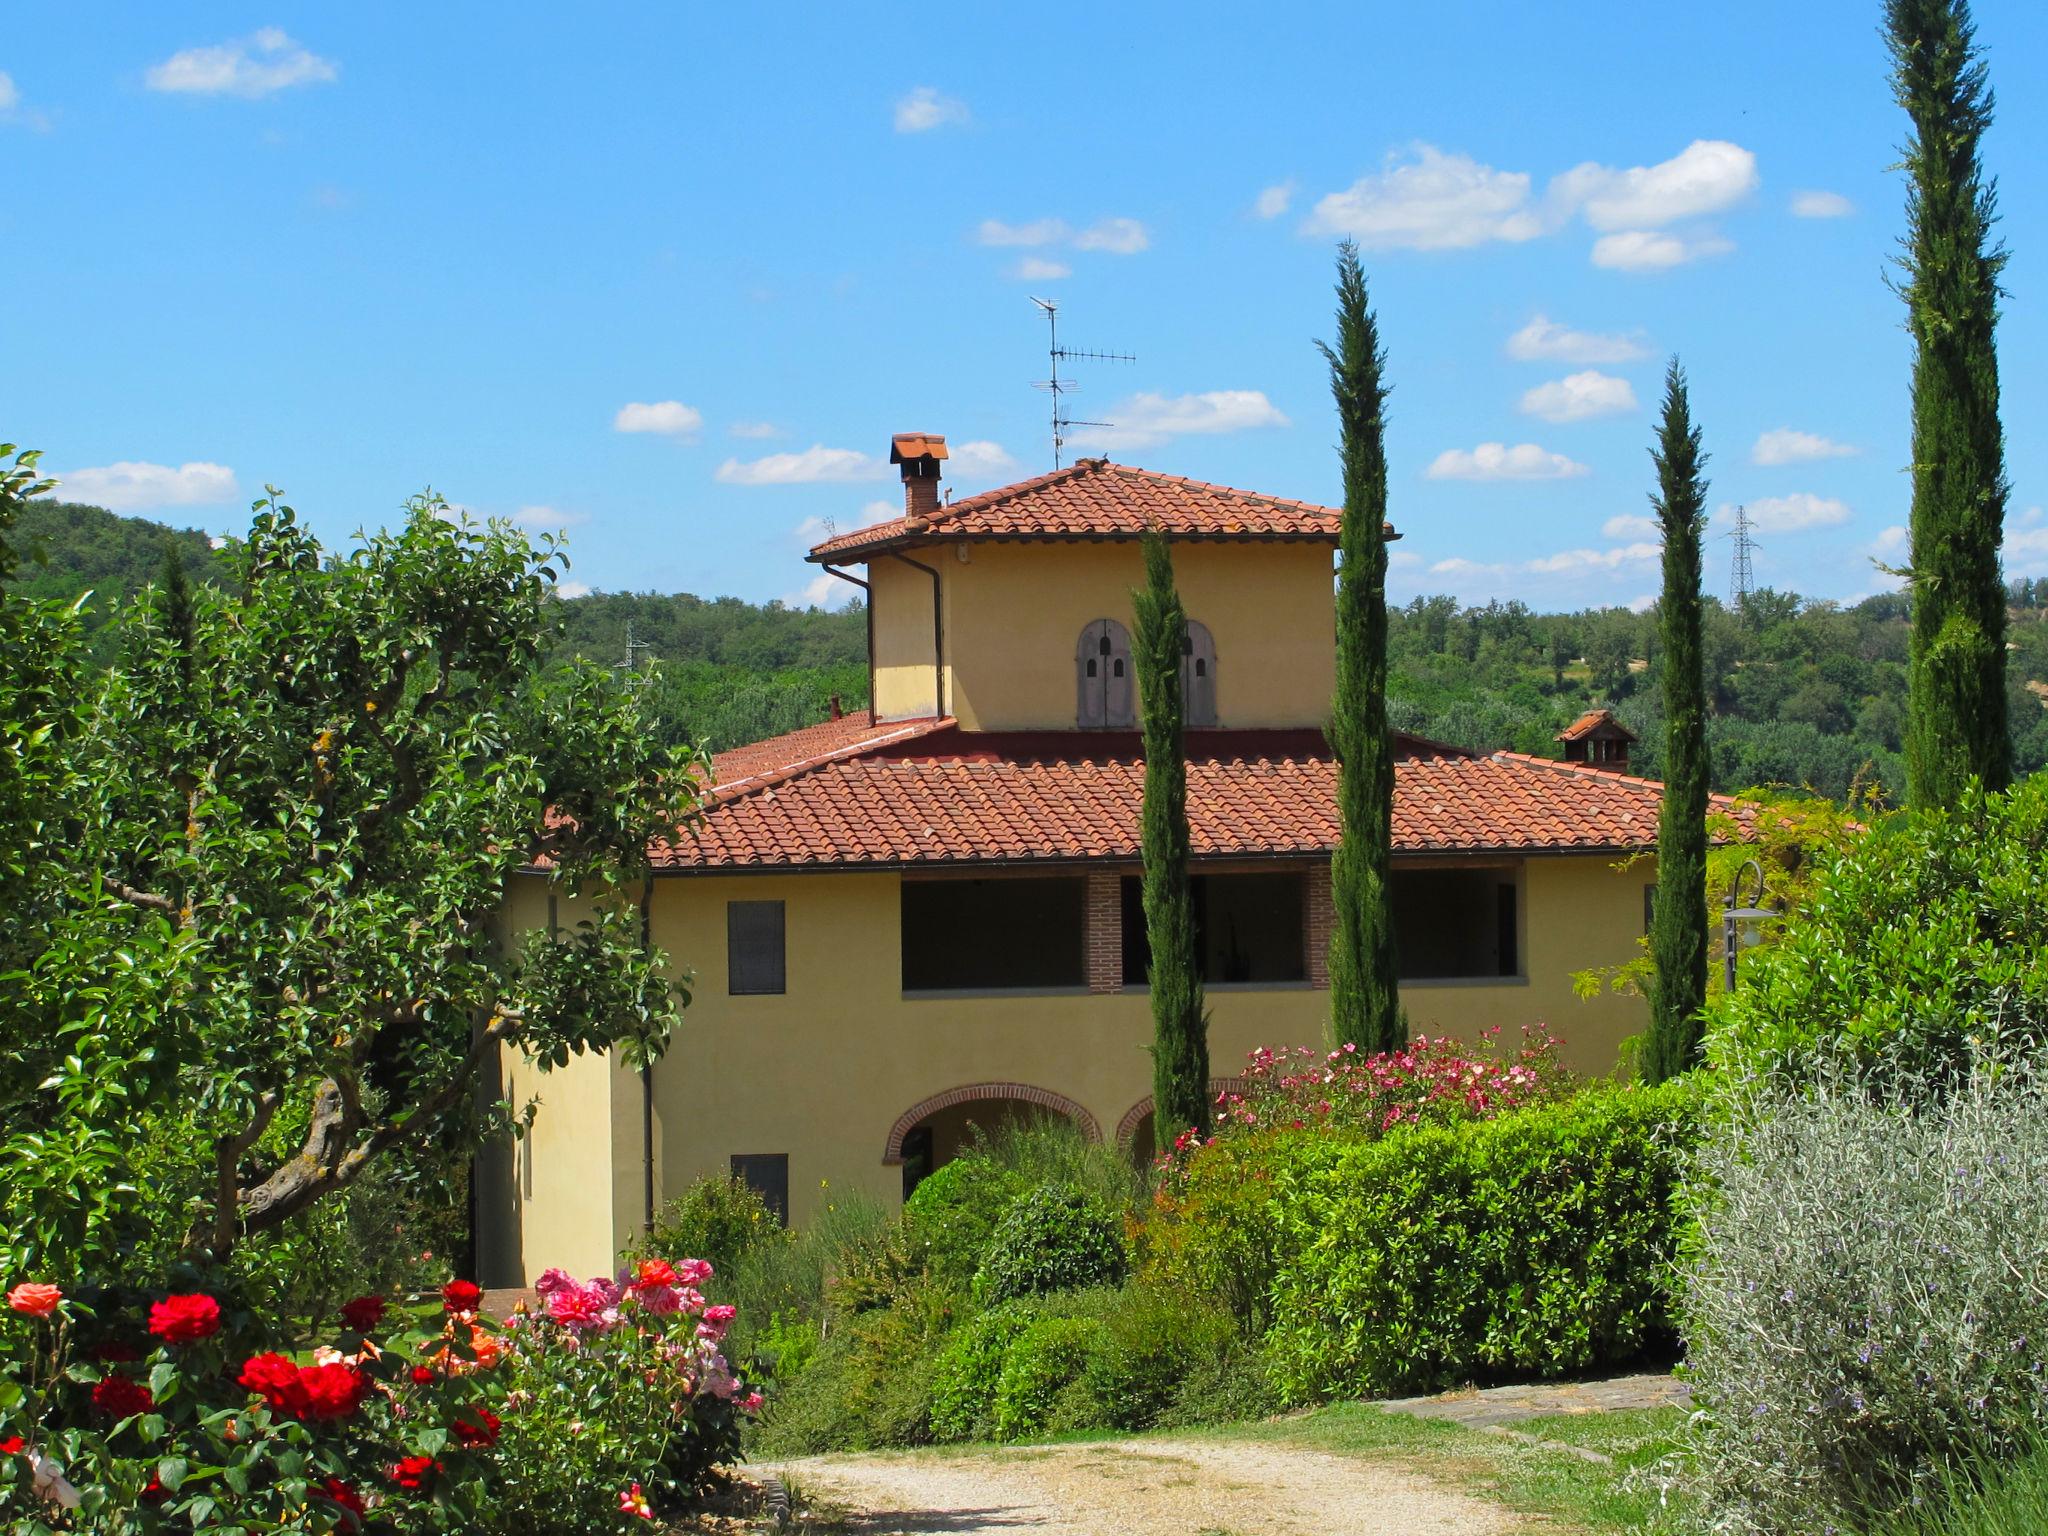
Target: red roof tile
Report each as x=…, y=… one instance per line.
x=1590, y=722
x=1095, y=499
x=925, y=792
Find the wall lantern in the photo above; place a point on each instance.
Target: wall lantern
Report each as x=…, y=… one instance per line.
x=1734, y=913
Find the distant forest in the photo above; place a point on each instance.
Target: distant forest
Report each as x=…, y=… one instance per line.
x=1804, y=692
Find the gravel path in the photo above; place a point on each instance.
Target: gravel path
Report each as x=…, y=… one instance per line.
x=1142, y=1488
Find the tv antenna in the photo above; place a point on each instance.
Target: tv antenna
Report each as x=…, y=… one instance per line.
x=1058, y=387
x=1743, y=580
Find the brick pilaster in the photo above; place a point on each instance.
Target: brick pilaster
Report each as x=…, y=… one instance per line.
x=1105, y=931
x=1318, y=918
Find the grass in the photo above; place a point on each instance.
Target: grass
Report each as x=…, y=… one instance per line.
x=2010, y=1500
x=1531, y=1479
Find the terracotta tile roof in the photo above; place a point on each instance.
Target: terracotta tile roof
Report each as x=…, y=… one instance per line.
x=926, y=793
x=1590, y=722
x=1095, y=499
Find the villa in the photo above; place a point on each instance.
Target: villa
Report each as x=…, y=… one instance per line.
x=922, y=916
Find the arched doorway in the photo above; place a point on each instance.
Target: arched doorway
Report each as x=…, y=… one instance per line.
x=934, y=1131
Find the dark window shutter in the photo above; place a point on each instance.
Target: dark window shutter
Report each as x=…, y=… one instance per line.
x=753, y=947
x=767, y=1175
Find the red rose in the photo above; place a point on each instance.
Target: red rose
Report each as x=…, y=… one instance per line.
x=335, y=1491
x=364, y=1313
x=654, y=1273
x=415, y=1471
x=276, y=1380
x=13, y=1445
x=34, y=1299
x=460, y=1296
x=156, y=1492
x=185, y=1319
x=423, y=1375
x=118, y=1397
x=331, y=1391
x=476, y=1427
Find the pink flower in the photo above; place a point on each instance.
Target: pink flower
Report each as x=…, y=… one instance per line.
x=751, y=1403
x=634, y=1502
x=32, y=1298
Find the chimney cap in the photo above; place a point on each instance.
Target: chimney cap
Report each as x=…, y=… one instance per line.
x=905, y=446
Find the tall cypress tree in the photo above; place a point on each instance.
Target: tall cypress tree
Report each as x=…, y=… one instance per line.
x=1365, y=1003
x=1180, y=1027
x=1956, y=728
x=1678, y=989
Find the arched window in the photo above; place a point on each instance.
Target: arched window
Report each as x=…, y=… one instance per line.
x=1198, y=676
x=1106, y=692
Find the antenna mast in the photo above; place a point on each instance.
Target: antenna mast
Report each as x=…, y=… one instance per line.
x=633, y=649
x=1743, y=581
x=1058, y=387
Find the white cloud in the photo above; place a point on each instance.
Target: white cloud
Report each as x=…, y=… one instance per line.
x=540, y=519
x=816, y=465
x=572, y=589
x=258, y=65
x=1497, y=461
x=670, y=418
x=2026, y=544
x=1795, y=513
x=1821, y=205
x=133, y=486
x=1430, y=201
x=1567, y=563
x=1627, y=526
x=1119, y=237
x=1642, y=603
x=1147, y=420
x=1543, y=340
x=1891, y=543
x=1783, y=445
x=1274, y=200
x=1037, y=269
x=1705, y=177
x=925, y=108
x=815, y=530
x=1037, y=232
x=1580, y=397
x=755, y=429
x=979, y=460
x=10, y=97
x=1649, y=250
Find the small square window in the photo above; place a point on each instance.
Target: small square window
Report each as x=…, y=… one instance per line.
x=753, y=948
x=767, y=1175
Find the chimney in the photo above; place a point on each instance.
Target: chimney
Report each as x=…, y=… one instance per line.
x=838, y=709
x=920, y=454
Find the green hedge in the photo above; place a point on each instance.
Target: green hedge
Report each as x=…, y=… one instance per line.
x=1535, y=1244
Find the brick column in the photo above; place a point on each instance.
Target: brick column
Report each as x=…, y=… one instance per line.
x=1105, y=931
x=1317, y=920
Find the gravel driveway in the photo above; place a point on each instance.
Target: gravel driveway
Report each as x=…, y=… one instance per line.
x=1142, y=1488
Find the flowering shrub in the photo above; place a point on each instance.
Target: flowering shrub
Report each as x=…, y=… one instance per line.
x=618, y=1399
x=187, y=1414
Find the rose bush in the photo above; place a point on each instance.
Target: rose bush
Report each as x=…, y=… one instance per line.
x=185, y=1412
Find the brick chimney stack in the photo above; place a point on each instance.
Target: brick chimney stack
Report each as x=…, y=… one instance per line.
x=920, y=454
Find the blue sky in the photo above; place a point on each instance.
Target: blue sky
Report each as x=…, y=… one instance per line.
x=671, y=277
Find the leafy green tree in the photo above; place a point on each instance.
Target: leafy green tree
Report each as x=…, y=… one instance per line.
x=1678, y=939
x=292, y=816
x=1958, y=727
x=1180, y=1025
x=1365, y=1002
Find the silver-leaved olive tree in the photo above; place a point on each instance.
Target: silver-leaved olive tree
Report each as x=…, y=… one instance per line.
x=291, y=810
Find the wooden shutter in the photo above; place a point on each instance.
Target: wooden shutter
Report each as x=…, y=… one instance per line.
x=767, y=1175
x=1198, y=677
x=754, y=947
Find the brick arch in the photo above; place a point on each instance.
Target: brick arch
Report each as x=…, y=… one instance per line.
x=971, y=1093
x=1127, y=1128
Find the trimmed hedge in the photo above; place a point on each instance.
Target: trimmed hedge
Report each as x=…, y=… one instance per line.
x=1052, y=1239
x=1534, y=1244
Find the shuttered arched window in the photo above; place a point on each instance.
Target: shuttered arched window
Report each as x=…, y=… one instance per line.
x=1106, y=692
x=1198, y=676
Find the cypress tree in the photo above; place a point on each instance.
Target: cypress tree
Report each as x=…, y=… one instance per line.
x=1365, y=1003
x=1180, y=1027
x=1678, y=989
x=1956, y=727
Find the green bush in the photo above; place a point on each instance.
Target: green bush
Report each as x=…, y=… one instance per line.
x=1927, y=933
x=950, y=1216
x=965, y=1375
x=1994, y=1499
x=869, y=1382
x=1534, y=1244
x=1150, y=1343
x=1052, y=1239
x=720, y=1219
x=1863, y=1303
x=1038, y=1367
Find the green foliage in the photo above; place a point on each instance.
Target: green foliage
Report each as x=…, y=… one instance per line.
x=73, y=550
x=953, y=1213
x=1678, y=940
x=1051, y=1239
x=1180, y=1024
x=1532, y=1244
x=1981, y=1498
x=720, y=1220
x=1365, y=1008
x=1925, y=935
x=1039, y=1365
x=969, y=1369
x=1150, y=1345
x=1862, y=1307
x=1958, y=729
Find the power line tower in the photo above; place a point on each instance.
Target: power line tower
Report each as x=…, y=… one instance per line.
x=1743, y=580
x=1058, y=387
x=633, y=650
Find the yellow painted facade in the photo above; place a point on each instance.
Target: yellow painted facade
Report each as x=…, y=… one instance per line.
x=822, y=1072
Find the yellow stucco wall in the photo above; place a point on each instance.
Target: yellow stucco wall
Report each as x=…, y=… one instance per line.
x=823, y=1071
x=1013, y=615
x=905, y=679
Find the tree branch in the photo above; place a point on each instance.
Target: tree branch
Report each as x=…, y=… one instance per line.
x=140, y=898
